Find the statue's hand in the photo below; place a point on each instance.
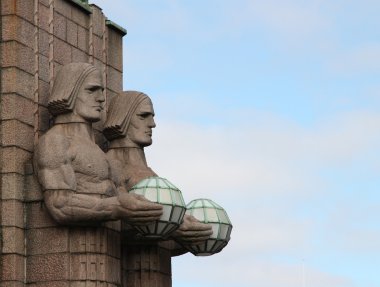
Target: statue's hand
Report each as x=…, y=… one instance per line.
x=137, y=210
x=191, y=231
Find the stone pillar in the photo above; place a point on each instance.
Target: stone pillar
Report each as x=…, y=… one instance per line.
x=37, y=38
x=145, y=263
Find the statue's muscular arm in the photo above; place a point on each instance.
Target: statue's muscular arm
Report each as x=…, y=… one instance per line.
x=56, y=174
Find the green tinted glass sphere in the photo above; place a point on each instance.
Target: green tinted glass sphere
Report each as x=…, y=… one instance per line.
x=160, y=190
x=207, y=211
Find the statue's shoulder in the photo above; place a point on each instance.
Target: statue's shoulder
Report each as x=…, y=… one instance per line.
x=55, y=138
x=52, y=146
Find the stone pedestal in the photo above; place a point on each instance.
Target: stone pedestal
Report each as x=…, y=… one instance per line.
x=146, y=265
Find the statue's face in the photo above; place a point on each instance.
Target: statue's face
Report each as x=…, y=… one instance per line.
x=89, y=101
x=142, y=122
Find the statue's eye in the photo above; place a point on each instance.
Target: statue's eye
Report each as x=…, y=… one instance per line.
x=143, y=116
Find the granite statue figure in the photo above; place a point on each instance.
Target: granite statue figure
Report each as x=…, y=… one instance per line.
x=73, y=171
x=128, y=127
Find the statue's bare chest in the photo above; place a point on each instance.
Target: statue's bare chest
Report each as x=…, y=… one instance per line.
x=88, y=159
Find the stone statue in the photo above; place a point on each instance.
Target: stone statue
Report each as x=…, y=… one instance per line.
x=129, y=127
x=73, y=171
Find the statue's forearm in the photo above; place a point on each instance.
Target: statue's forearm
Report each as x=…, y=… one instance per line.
x=67, y=207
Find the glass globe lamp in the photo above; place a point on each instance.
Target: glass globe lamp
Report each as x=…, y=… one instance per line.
x=207, y=211
x=160, y=190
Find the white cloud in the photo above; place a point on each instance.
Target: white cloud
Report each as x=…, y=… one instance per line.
x=263, y=174
x=358, y=60
x=246, y=271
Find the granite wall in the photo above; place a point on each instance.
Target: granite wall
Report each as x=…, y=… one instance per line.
x=37, y=38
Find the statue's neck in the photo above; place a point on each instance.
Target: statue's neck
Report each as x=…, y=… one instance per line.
x=130, y=155
x=75, y=127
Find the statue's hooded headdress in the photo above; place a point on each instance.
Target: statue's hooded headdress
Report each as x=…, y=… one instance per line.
x=120, y=112
x=66, y=85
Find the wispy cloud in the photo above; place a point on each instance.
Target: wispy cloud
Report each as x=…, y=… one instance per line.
x=264, y=175
x=357, y=61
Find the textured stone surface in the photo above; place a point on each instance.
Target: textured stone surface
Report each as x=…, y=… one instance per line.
x=59, y=25
x=12, y=185
x=88, y=239
x=55, y=283
x=62, y=51
x=78, y=55
x=33, y=190
x=115, y=50
x=44, y=90
x=43, y=43
x=43, y=68
x=113, y=225
x=15, y=28
x=72, y=33
x=15, y=159
x=114, y=80
x=14, y=106
x=47, y=240
x=12, y=267
x=48, y=267
x=44, y=2
x=13, y=240
x=79, y=17
x=110, y=95
x=95, y=240
x=11, y=77
x=43, y=17
x=38, y=216
x=83, y=37
x=19, y=183
x=17, y=55
x=95, y=267
x=12, y=213
x=21, y=8
x=21, y=138
x=63, y=7
x=12, y=284
x=44, y=118
x=98, y=47
x=98, y=20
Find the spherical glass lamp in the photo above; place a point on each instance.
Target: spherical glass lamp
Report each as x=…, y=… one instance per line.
x=207, y=211
x=160, y=190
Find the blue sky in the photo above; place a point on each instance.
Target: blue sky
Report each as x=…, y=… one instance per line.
x=272, y=109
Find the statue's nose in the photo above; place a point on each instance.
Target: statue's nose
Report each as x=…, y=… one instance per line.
x=99, y=96
x=152, y=123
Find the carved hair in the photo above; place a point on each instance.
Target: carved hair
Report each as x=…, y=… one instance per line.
x=66, y=85
x=120, y=112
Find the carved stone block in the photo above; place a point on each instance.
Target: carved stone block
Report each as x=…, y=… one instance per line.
x=12, y=267
x=12, y=186
x=14, y=54
x=11, y=77
x=55, y=267
x=21, y=138
x=12, y=213
x=13, y=240
x=47, y=240
x=14, y=106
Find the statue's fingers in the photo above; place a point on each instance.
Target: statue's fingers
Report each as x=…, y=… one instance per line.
x=143, y=220
x=197, y=226
x=147, y=213
x=148, y=205
x=195, y=233
x=195, y=240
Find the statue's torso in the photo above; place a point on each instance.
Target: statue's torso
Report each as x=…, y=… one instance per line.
x=91, y=167
x=88, y=161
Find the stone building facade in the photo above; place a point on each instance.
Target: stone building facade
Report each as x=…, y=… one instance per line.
x=37, y=38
